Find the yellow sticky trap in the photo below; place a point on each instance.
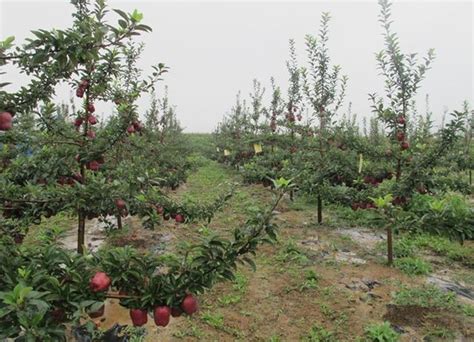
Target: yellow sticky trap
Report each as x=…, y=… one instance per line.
x=226, y=153
x=257, y=148
x=361, y=160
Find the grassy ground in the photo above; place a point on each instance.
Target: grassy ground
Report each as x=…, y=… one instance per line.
x=316, y=283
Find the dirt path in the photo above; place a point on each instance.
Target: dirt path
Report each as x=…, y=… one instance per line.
x=316, y=284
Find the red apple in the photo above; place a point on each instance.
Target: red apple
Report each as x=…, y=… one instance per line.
x=400, y=136
x=6, y=121
x=92, y=120
x=93, y=165
x=99, y=282
x=80, y=92
x=176, y=311
x=139, y=317
x=404, y=145
x=189, y=304
x=137, y=125
x=120, y=204
x=401, y=120
x=159, y=209
x=161, y=315
x=91, y=134
x=130, y=129
x=84, y=83
x=90, y=108
x=179, y=218
x=78, y=122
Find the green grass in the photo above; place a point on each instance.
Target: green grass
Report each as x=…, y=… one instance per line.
x=319, y=334
x=381, y=332
x=50, y=228
x=413, y=266
x=426, y=296
x=411, y=245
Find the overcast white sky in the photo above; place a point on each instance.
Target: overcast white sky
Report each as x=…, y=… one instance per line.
x=215, y=49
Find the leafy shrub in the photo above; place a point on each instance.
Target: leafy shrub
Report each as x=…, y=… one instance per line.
x=451, y=216
x=413, y=266
x=381, y=333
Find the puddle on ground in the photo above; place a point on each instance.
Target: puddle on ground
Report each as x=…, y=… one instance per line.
x=94, y=236
x=327, y=252
x=445, y=283
x=364, y=237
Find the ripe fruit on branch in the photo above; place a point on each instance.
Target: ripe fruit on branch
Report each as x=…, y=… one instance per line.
x=137, y=125
x=92, y=120
x=162, y=315
x=179, y=218
x=139, y=317
x=130, y=129
x=80, y=92
x=189, y=304
x=404, y=145
x=84, y=83
x=6, y=121
x=120, y=204
x=400, y=136
x=93, y=165
x=159, y=209
x=78, y=122
x=91, y=134
x=176, y=311
x=90, y=108
x=99, y=282
x=401, y=120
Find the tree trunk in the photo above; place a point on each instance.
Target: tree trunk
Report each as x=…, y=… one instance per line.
x=470, y=177
x=320, y=209
x=389, y=246
x=119, y=222
x=81, y=232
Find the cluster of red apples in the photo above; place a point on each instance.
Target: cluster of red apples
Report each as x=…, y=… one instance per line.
x=101, y=282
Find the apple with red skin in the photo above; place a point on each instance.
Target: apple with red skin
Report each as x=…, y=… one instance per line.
x=80, y=92
x=176, y=311
x=189, y=304
x=93, y=165
x=159, y=209
x=400, y=136
x=84, y=83
x=120, y=204
x=99, y=282
x=139, y=317
x=92, y=120
x=405, y=145
x=179, y=218
x=91, y=134
x=130, y=129
x=91, y=107
x=78, y=122
x=401, y=120
x=6, y=119
x=137, y=125
x=161, y=315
